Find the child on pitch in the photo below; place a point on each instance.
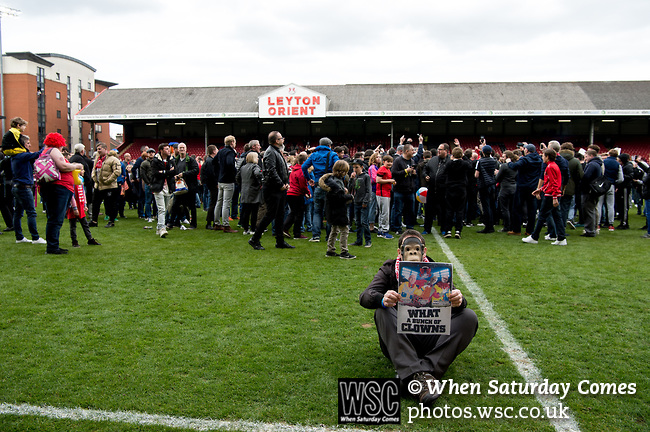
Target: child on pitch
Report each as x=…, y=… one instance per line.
x=77, y=213
x=336, y=208
x=419, y=360
x=385, y=182
x=361, y=187
x=552, y=191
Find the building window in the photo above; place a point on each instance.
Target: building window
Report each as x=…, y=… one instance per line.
x=58, y=113
x=58, y=95
x=90, y=87
x=98, y=128
x=58, y=76
x=58, y=131
x=40, y=85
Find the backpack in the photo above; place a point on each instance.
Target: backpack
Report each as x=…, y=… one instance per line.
x=599, y=186
x=44, y=168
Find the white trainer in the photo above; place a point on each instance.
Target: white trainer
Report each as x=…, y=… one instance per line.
x=23, y=240
x=40, y=240
x=559, y=242
x=529, y=239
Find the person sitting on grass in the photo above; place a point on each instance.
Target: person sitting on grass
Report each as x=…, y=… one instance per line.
x=422, y=358
x=336, y=208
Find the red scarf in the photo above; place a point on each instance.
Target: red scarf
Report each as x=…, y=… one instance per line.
x=397, y=261
x=100, y=162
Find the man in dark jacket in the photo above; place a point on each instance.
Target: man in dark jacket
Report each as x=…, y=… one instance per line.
x=623, y=190
x=612, y=168
x=146, y=177
x=209, y=179
x=187, y=169
x=226, y=179
x=528, y=168
x=22, y=165
x=645, y=194
x=404, y=172
x=162, y=184
x=434, y=174
x=486, y=181
x=416, y=357
x=274, y=191
x=593, y=170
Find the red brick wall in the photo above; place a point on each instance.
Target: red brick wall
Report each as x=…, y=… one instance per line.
x=52, y=105
x=20, y=101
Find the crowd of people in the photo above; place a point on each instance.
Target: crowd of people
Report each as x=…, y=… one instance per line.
x=378, y=191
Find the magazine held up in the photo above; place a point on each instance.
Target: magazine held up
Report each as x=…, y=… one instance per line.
x=424, y=307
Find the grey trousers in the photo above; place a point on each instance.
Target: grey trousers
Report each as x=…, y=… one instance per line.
x=224, y=201
x=414, y=353
x=591, y=214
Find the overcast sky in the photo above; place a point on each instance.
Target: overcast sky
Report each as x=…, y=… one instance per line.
x=164, y=43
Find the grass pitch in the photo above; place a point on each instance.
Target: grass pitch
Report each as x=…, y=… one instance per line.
x=200, y=325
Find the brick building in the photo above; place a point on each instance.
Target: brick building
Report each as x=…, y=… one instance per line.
x=48, y=90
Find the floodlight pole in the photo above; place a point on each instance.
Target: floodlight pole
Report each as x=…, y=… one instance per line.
x=4, y=10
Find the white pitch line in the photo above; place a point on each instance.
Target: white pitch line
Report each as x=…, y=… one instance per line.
x=131, y=417
x=519, y=357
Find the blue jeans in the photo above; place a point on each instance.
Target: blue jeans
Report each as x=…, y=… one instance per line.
x=361, y=218
x=57, y=200
x=206, y=197
x=403, y=204
x=487, y=200
x=148, y=200
x=319, y=207
x=372, y=208
x=309, y=211
x=24, y=201
x=566, y=202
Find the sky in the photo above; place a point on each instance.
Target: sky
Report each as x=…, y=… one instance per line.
x=164, y=43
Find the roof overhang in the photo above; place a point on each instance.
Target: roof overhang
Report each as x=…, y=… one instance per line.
x=487, y=113
x=31, y=57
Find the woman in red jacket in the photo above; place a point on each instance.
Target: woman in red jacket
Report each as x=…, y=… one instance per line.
x=298, y=191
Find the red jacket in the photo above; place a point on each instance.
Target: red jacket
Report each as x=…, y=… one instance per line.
x=297, y=183
x=383, y=189
x=552, y=181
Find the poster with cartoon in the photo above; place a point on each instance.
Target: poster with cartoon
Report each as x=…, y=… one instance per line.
x=424, y=307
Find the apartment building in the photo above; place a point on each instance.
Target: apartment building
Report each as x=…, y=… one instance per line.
x=48, y=90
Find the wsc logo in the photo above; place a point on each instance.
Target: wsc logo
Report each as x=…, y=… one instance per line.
x=369, y=400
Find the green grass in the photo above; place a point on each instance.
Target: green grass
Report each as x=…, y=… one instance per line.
x=200, y=325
